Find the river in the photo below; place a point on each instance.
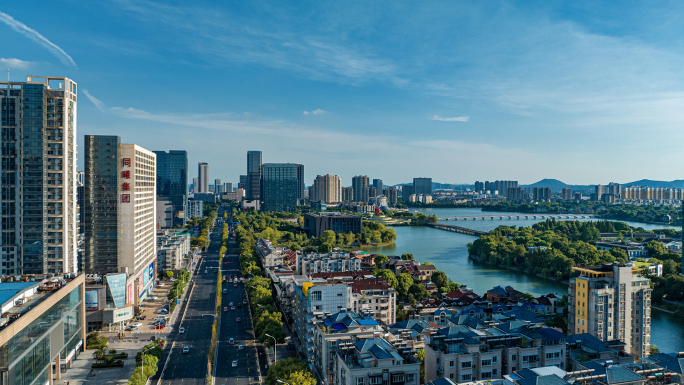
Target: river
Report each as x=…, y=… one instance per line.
x=448, y=251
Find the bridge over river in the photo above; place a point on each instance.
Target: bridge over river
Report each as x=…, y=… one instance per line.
x=517, y=216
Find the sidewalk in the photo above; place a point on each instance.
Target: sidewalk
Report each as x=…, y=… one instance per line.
x=81, y=373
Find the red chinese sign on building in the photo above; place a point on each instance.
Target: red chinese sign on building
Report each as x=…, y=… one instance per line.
x=126, y=174
x=126, y=186
x=126, y=162
x=125, y=198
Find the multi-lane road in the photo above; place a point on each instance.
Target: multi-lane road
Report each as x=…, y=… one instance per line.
x=191, y=368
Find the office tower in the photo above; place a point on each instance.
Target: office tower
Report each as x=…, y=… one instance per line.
x=347, y=194
x=406, y=192
x=243, y=182
x=422, y=186
x=515, y=194
x=279, y=185
x=360, y=187
x=300, y=181
x=541, y=194
x=202, y=178
x=218, y=187
x=612, y=302
x=172, y=182
x=120, y=211
x=253, y=174
x=326, y=188
x=377, y=183
x=566, y=194
x=38, y=175
x=227, y=187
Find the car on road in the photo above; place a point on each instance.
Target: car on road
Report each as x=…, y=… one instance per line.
x=181, y=331
x=235, y=363
x=225, y=291
x=244, y=301
x=186, y=349
x=241, y=347
x=133, y=328
x=238, y=319
x=230, y=304
x=225, y=308
x=231, y=341
x=239, y=304
x=235, y=285
x=232, y=308
x=205, y=272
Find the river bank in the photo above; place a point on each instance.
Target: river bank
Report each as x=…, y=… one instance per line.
x=448, y=252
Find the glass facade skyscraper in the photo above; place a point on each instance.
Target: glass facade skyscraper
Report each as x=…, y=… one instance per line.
x=254, y=174
x=172, y=182
x=38, y=176
x=279, y=184
x=422, y=186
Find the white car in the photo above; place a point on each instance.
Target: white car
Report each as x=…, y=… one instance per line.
x=235, y=364
x=162, y=311
x=161, y=285
x=155, y=298
x=137, y=324
x=186, y=349
x=181, y=331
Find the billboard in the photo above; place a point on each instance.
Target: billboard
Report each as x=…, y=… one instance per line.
x=92, y=299
x=145, y=276
x=151, y=271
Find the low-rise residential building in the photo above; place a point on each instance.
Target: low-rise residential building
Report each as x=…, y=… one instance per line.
x=308, y=264
x=339, y=331
x=269, y=255
x=172, y=250
x=633, y=250
x=411, y=333
x=376, y=298
x=375, y=361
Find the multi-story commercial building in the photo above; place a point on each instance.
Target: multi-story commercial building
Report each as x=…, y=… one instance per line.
x=339, y=331
x=377, y=183
x=172, y=182
x=422, y=186
x=227, y=188
x=375, y=298
x=360, y=187
x=218, y=187
x=376, y=361
x=566, y=194
x=44, y=331
x=326, y=188
x=515, y=194
x=347, y=194
x=202, y=178
x=612, y=302
x=406, y=192
x=308, y=264
x=236, y=195
x=300, y=181
x=541, y=194
x=195, y=208
x=120, y=210
x=464, y=353
x=279, y=187
x=172, y=250
x=39, y=232
x=243, y=182
x=253, y=185
x=316, y=223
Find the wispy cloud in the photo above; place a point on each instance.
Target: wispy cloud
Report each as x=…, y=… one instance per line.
x=315, y=112
x=97, y=102
x=15, y=63
x=453, y=119
x=37, y=38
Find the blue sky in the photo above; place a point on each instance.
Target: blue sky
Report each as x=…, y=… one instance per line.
x=585, y=92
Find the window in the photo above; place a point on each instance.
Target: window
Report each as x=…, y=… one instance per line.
x=375, y=380
x=486, y=362
x=514, y=357
x=359, y=381
x=466, y=364
x=316, y=296
x=494, y=372
x=452, y=363
x=466, y=377
x=451, y=375
x=486, y=375
x=494, y=359
x=410, y=377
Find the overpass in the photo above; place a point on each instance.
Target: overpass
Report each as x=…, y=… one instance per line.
x=517, y=216
x=456, y=229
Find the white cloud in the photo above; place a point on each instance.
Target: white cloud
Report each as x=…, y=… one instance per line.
x=37, y=38
x=315, y=112
x=15, y=63
x=98, y=103
x=454, y=119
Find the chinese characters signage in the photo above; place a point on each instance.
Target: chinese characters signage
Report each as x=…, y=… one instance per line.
x=126, y=174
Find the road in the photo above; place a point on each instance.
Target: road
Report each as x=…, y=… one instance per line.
x=248, y=369
x=191, y=368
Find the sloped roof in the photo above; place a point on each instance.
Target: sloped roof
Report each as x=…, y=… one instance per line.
x=498, y=290
x=618, y=375
x=550, y=379
x=677, y=365
x=587, y=340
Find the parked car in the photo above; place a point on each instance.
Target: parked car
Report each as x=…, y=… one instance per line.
x=186, y=349
x=158, y=327
x=137, y=324
x=154, y=298
x=181, y=331
x=162, y=311
x=161, y=285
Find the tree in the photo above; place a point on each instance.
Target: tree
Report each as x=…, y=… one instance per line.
x=328, y=236
x=404, y=282
x=419, y=292
x=407, y=256
x=380, y=260
x=301, y=377
x=388, y=276
x=169, y=274
x=654, y=349
x=669, y=268
x=420, y=356
x=283, y=369
x=325, y=248
x=440, y=279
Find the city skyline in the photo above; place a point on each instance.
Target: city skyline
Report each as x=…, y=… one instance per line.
x=492, y=87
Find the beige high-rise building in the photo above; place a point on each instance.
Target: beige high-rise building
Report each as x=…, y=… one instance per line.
x=39, y=215
x=612, y=302
x=203, y=178
x=326, y=188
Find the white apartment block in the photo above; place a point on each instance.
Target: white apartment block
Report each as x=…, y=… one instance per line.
x=38, y=176
x=269, y=255
x=375, y=298
x=308, y=264
x=195, y=209
x=612, y=302
x=375, y=361
x=172, y=250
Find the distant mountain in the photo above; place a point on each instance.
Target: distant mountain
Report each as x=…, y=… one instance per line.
x=656, y=183
x=557, y=185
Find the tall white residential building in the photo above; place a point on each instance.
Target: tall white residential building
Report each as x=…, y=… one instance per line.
x=203, y=178
x=38, y=176
x=195, y=209
x=120, y=212
x=612, y=302
x=172, y=250
x=326, y=188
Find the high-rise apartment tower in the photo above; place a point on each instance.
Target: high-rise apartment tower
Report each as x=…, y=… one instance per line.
x=360, y=187
x=253, y=174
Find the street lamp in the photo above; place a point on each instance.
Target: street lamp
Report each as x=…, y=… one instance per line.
x=283, y=382
x=275, y=345
x=142, y=363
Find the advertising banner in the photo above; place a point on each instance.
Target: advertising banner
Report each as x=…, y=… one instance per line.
x=91, y=299
x=146, y=276
x=151, y=270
